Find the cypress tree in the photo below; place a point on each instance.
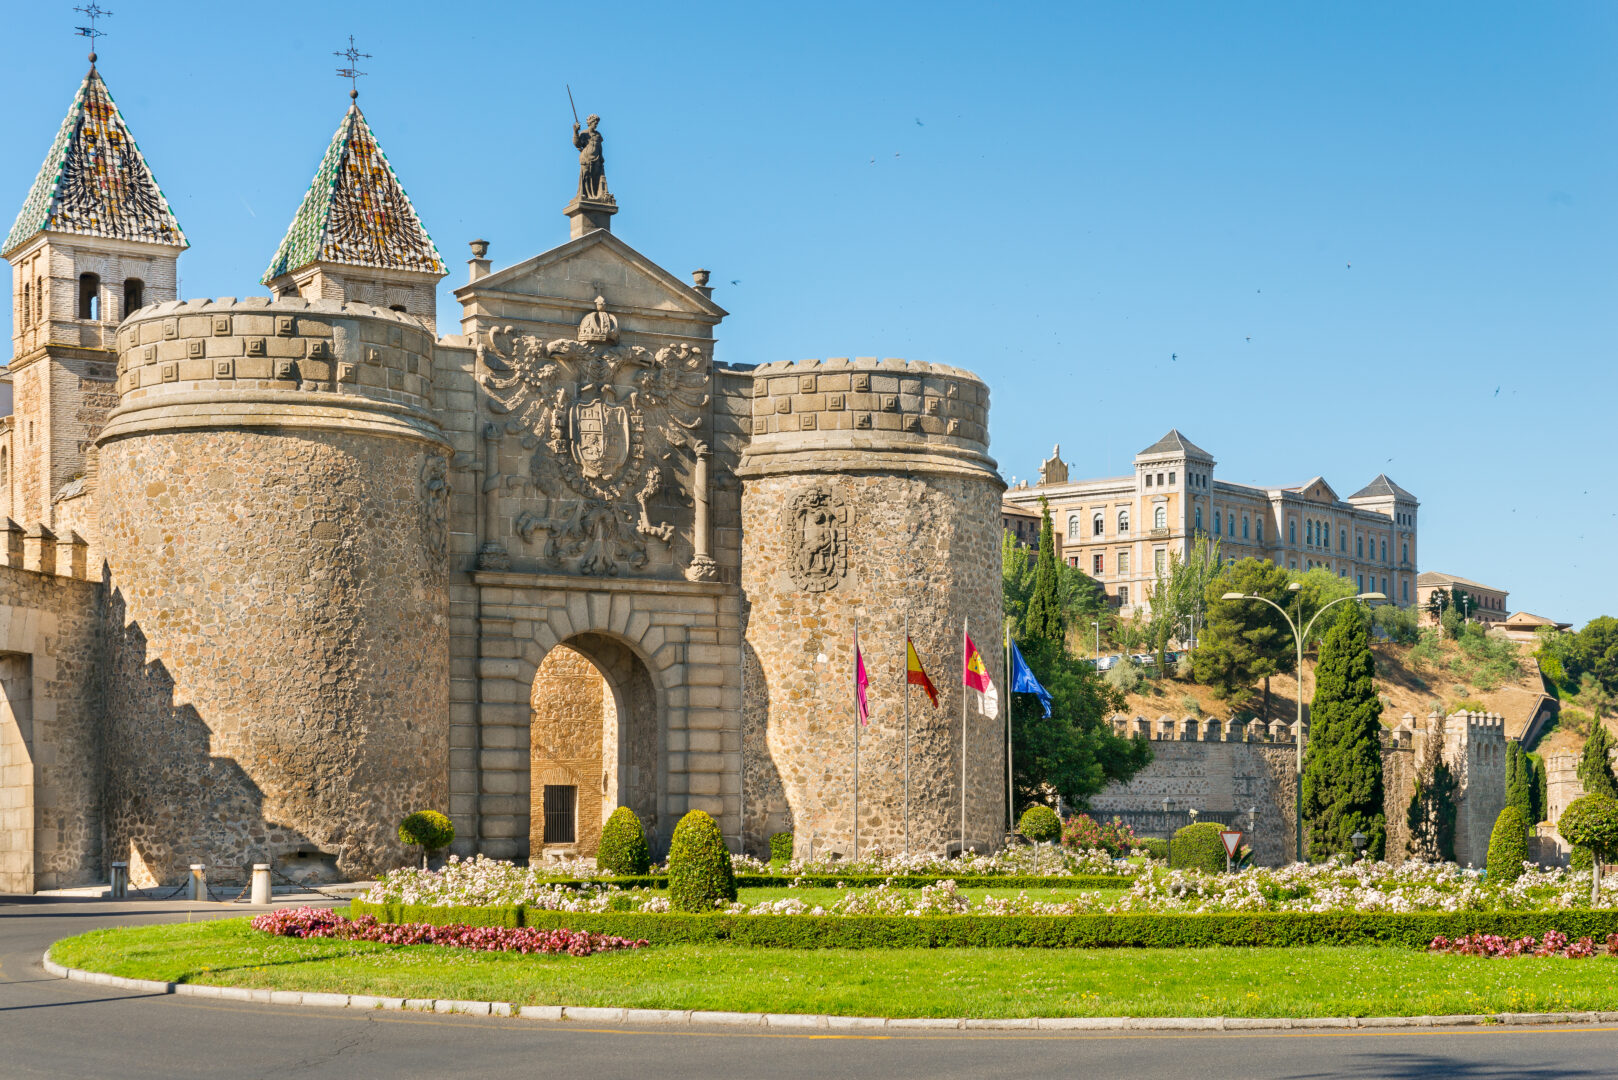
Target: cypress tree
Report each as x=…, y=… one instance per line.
x=1342, y=772
x=1044, y=620
x=1520, y=780
x=1595, y=764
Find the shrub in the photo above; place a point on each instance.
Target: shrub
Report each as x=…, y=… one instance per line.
x=1124, y=676
x=428, y=830
x=1508, y=844
x=623, y=844
x=1198, y=847
x=1155, y=847
x=1084, y=833
x=1580, y=858
x=1040, y=824
x=699, y=865
x=1466, y=705
x=781, y=847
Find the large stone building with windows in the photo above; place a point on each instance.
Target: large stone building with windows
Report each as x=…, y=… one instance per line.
x=1123, y=530
x=276, y=571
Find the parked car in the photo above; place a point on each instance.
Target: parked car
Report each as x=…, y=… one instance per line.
x=1107, y=663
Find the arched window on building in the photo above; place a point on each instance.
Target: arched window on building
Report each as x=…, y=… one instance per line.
x=1232, y=525
x=1384, y=551
x=1292, y=533
x=1098, y=524
x=1072, y=525
x=5, y=468
x=1342, y=540
x=1258, y=529
x=39, y=299
x=1160, y=518
x=1244, y=526
x=1199, y=519
x=27, y=314
x=134, y=295
x=1123, y=522
x=1404, y=551
x=1218, y=523
x=89, y=296
x=1359, y=547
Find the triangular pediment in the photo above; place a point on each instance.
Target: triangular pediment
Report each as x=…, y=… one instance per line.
x=1317, y=490
x=596, y=264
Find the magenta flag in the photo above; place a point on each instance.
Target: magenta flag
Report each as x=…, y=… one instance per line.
x=861, y=682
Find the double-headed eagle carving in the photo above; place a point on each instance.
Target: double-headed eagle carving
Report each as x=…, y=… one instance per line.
x=603, y=420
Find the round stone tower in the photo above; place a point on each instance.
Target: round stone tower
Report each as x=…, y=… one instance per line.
x=868, y=494
x=273, y=503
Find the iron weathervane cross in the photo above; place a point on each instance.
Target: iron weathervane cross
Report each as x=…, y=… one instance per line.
x=92, y=12
x=351, y=73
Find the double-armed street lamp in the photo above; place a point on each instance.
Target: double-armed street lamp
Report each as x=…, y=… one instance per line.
x=1299, y=638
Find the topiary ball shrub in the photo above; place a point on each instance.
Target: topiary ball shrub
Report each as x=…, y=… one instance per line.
x=1154, y=847
x=428, y=830
x=1040, y=825
x=623, y=848
x=1580, y=859
x=781, y=847
x=699, y=865
x=1508, y=845
x=1198, y=847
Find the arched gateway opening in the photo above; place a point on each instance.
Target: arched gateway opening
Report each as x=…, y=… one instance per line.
x=593, y=745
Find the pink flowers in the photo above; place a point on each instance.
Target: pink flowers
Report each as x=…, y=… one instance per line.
x=307, y=922
x=1081, y=832
x=1493, y=945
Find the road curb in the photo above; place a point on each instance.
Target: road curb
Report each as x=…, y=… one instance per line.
x=801, y=1021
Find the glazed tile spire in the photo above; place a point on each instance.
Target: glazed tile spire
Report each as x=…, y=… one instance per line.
x=356, y=212
x=94, y=181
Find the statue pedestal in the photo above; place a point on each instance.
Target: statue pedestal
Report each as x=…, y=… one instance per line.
x=586, y=215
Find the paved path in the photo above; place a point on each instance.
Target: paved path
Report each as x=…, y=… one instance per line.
x=50, y=1027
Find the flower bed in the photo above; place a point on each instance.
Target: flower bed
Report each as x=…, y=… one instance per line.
x=1554, y=943
x=1365, y=887
x=307, y=922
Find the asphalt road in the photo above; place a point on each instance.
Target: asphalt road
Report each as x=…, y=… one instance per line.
x=53, y=1028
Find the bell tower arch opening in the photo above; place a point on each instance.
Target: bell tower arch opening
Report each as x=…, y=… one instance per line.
x=593, y=745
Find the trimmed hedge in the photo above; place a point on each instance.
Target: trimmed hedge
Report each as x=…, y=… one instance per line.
x=870, y=881
x=700, y=874
x=1198, y=847
x=1040, y=825
x=623, y=844
x=1156, y=847
x=1508, y=845
x=1258, y=929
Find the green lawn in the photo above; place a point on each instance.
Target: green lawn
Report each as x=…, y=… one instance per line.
x=1314, y=981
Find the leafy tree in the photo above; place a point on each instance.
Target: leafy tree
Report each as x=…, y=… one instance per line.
x=1399, y=624
x=1594, y=651
x=428, y=830
x=1441, y=602
x=1016, y=582
x=1342, y=771
x=1074, y=752
x=1591, y=822
x=1316, y=588
x=1430, y=816
x=1541, y=802
x=1520, y=780
x=1244, y=640
x=1595, y=764
x=1045, y=616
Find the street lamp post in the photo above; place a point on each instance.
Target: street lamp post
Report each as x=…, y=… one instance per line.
x=1097, y=624
x=1298, y=640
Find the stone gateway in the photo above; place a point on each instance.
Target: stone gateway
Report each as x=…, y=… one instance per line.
x=290, y=567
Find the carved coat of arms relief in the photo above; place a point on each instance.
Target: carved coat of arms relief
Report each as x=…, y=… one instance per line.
x=605, y=422
x=816, y=524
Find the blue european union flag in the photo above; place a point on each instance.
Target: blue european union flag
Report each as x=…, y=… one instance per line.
x=1023, y=681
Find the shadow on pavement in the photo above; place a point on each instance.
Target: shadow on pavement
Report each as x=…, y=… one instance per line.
x=1426, y=1066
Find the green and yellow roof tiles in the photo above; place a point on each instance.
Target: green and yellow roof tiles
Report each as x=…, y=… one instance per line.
x=94, y=181
x=356, y=212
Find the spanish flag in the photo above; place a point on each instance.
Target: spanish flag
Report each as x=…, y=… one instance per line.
x=916, y=675
x=976, y=677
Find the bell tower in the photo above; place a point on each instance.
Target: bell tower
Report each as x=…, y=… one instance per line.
x=95, y=241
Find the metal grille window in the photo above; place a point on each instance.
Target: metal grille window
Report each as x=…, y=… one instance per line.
x=561, y=804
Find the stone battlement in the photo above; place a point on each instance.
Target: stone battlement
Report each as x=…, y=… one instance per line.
x=206, y=363
x=1204, y=729
x=891, y=412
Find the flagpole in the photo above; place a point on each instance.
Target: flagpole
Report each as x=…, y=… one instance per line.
x=907, y=733
x=1005, y=654
x=965, y=634
x=856, y=669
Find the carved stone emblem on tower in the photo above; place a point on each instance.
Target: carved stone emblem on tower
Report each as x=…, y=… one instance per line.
x=817, y=537
x=611, y=417
x=435, y=512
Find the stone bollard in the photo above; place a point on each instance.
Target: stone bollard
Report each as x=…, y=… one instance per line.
x=261, y=883
x=199, y=881
x=120, y=881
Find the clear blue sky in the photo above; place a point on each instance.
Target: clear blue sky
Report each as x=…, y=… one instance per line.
x=1377, y=236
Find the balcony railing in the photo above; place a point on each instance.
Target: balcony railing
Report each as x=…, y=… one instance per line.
x=1158, y=534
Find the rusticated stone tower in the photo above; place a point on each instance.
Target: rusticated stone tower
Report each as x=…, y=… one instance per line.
x=868, y=493
x=274, y=514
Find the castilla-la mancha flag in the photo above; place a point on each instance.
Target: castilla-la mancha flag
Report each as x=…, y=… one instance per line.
x=977, y=678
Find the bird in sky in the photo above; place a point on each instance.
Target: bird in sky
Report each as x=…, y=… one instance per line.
x=1174, y=356
x=1249, y=337
x=1350, y=266
x=1497, y=391
x=735, y=281
x=919, y=123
